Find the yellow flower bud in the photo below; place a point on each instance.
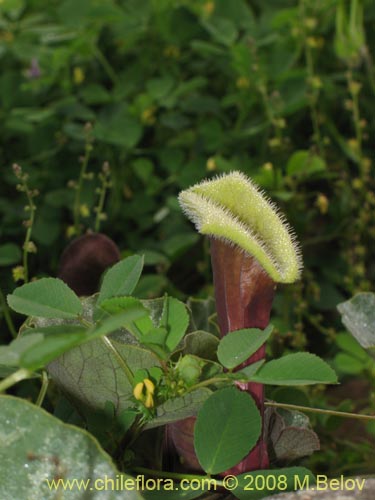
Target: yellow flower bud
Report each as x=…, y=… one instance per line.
x=78, y=75
x=149, y=402
x=138, y=390
x=18, y=273
x=150, y=388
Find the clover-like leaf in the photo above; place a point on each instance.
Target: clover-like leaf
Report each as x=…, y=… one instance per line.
x=46, y=298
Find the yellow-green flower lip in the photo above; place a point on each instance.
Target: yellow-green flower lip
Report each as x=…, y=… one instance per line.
x=232, y=208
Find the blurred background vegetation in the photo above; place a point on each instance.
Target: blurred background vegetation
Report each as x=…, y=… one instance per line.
x=168, y=92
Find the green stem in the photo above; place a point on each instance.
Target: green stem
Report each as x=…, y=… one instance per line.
x=106, y=66
x=16, y=377
x=211, y=381
x=175, y=475
x=320, y=410
x=99, y=208
x=7, y=316
x=77, y=198
x=120, y=359
x=43, y=389
x=30, y=224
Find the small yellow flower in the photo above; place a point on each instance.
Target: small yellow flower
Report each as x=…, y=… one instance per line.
x=84, y=210
x=78, y=75
x=70, y=231
x=310, y=23
x=211, y=164
x=18, y=273
x=322, y=203
x=148, y=116
x=268, y=166
x=353, y=144
x=138, y=391
x=143, y=391
x=315, y=42
x=208, y=8
x=30, y=247
x=315, y=82
x=172, y=51
x=242, y=82
x=274, y=143
x=150, y=388
x=355, y=88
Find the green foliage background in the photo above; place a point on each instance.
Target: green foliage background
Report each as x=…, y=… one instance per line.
x=180, y=90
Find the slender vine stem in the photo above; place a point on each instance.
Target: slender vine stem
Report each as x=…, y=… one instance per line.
x=7, y=316
x=106, y=66
x=320, y=410
x=78, y=187
x=43, y=389
x=14, y=378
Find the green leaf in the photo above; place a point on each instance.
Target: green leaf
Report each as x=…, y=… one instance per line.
x=227, y=427
x=175, y=320
x=201, y=344
x=46, y=298
x=10, y=354
x=236, y=347
x=305, y=163
x=358, y=315
x=250, y=370
x=122, y=278
x=119, y=305
x=301, y=368
x=116, y=126
x=42, y=447
x=135, y=311
x=251, y=485
x=90, y=374
x=9, y=254
x=50, y=348
x=179, y=408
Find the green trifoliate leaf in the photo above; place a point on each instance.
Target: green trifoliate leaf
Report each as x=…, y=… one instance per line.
x=232, y=208
x=236, y=347
x=301, y=368
x=46, y=298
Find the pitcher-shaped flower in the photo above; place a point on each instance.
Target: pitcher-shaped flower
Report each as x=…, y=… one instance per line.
x=252, y=249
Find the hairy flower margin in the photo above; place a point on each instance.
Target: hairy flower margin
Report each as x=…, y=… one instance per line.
x=232, y=208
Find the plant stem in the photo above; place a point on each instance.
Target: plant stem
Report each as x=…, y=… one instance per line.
x=176, y=475
x=14, y=378
x=210, y=381
x=335, y=413
x=43, y=389
x=77, y=198
x=244, y=293
x=30, y=224
x=106, y=66
x=120, y=359
x=7, y=316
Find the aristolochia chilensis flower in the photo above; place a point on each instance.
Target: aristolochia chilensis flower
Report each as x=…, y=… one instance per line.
x=252, y=249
